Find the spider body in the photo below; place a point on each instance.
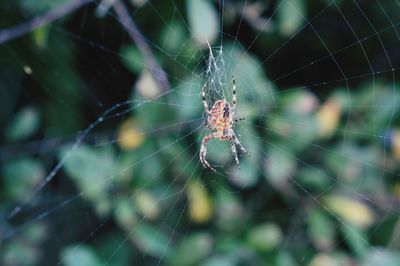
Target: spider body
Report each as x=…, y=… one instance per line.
x=220, y=119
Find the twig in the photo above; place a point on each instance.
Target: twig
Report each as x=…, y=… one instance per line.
x=54, y=14
x=133, y=31
x=62, y=10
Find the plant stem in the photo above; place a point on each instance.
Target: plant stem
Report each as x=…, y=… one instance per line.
x=124, y=18
x=133, y=31
x=54, y=14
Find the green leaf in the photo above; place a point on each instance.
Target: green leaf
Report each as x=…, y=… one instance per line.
x=21, y=176
x=80, y=255
x=39, y=7
x=132, y=58
x=294, y=124
x=188, y=101
x=147, y=112
x=387, y=233
x=296, y=132
x=106, y=246
x=313, y=178
x=255, y=92
x=219, y=152
x=247, y=175
x=356, y=239
x=380, y=256
x=279, y=166
x=125, y=213
x=321, y=229
x=229, y=210
x=354, y=165
x=36, y=232
x=265, y=237
x=285, y=258
x=291, y=16
x=220, y=261
x=372, y=120
x=147, y=172
x=174, y=37
x=23, y=125
x=19, y=253
x=151, y=240
x=203, y=21
x=192, y=250
x=177, y=154
x=92, y=170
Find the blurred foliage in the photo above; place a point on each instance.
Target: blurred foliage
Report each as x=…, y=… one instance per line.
x=100, y=167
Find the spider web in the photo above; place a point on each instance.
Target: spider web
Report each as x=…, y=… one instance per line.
x=216, y=76
x=124, y=184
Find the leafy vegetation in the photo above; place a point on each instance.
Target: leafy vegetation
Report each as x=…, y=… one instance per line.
x=99, y=162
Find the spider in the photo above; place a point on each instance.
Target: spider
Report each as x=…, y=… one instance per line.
x=220, y=119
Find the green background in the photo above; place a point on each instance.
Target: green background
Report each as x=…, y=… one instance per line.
x=104, y=163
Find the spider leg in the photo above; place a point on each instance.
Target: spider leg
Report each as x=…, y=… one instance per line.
x=234, y=151
x=203, y=98
x=237, y=142
x=203, y=150
x=234, y=99
x=236, y=120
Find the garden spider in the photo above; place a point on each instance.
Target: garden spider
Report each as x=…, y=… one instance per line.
x=220, y=119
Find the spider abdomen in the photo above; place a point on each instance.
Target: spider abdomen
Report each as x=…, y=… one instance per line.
x=220, y=117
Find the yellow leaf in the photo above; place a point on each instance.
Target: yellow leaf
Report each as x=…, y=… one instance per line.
x=323, y=260
x=200, y=205
x=350, y=210
x=147, y=204
x=396, y=143
x=397, y=190
x=40, y=36
x=147, y=86
x=328, y=118
x=129, y=137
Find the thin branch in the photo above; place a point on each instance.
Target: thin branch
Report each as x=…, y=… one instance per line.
x=54, y=14
x=133, y=31
x=123, y=15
